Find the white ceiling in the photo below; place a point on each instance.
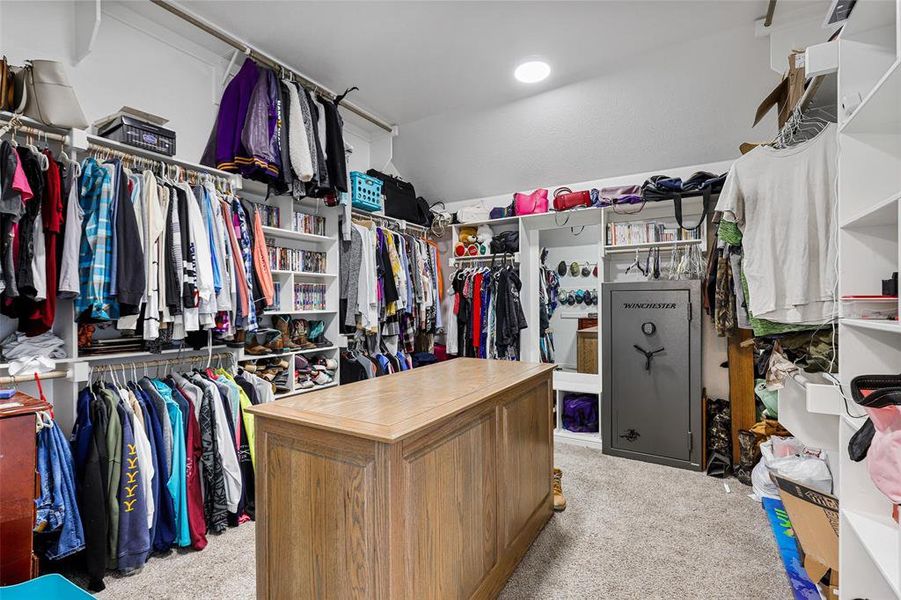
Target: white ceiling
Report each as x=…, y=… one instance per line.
x=413, y=60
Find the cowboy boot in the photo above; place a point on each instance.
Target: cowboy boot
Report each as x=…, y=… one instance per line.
x=283, y=324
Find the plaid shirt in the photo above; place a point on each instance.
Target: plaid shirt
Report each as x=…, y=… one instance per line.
x=95, y=255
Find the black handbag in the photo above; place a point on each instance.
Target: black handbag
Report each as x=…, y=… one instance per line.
x=400, y=199
x=699, y=184
x=505, y=242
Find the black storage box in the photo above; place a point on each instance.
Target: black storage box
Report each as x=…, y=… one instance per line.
x=139, y=134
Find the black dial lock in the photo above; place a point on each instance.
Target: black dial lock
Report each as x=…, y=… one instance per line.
x=648, y=328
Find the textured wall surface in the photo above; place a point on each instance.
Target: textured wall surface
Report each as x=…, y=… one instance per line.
x=693, y=102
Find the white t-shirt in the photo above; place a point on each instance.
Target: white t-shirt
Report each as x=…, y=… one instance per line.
x=784, y=203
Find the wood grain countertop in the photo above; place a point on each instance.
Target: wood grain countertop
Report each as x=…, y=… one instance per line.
x=393, y=407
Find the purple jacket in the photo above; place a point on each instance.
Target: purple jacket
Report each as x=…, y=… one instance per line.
x=232, y=115
x=259, y=136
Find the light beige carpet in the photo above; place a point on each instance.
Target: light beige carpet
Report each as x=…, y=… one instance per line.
x=631, y=530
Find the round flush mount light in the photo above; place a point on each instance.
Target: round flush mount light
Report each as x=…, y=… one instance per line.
x=532, y=71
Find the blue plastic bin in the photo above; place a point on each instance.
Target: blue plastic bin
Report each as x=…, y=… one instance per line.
x=366, y=192
x=45, y=587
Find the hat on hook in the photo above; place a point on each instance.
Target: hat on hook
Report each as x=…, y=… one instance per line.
x=586, y=271
x=574, y=268
x=561, y=268
x=595, y=271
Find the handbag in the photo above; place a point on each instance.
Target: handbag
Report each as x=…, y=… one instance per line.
x=880, y=395
x=6, y=85
x=400, y=199
x=566, y=199
x=530, y=204
x=470, y=214
x=51, y=99
x=664, y=187
x=505, y=242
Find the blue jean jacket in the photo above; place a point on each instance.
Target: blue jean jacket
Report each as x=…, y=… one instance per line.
x=57, y=508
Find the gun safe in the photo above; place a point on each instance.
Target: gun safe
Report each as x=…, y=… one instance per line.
x=651, y=398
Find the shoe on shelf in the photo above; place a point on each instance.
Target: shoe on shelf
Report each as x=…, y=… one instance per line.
x=237, y=340
x=324, y=363
x=559, y=498
x=300, y=329
x=316, y=337
x=282, y=323
x=254, y=346
x=301, y=364
x=321, y=378
x=305, y=383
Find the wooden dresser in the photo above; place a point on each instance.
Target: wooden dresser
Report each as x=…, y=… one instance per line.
x=430, y=483
x=18, y=486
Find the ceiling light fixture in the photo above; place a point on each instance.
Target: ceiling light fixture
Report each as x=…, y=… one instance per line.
x=532, y=71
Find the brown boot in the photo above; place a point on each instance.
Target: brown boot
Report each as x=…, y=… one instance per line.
x=282, y=324
x=559, y=498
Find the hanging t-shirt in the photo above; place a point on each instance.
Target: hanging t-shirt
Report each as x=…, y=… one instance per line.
x=784, y=202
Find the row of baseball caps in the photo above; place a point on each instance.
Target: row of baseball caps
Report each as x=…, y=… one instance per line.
x=573, y=297
x=656, y=188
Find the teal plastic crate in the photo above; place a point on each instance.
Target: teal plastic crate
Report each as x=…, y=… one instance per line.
x=53, y=586
x=366, y=192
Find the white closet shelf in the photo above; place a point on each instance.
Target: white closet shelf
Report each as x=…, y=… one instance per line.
x=139, y=355
x=151, y=155
x=620, y=248
x=501, y=221
x=881, y=537
x=878, y=112
x=245, y=356
x=874, y=324
x=883, y=213
x=289, y=234
x=312, y=389
x=582, y=438
x=308, y=274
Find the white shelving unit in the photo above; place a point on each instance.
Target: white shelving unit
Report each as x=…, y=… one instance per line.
x=284, y=236
x=869, y=71
x=610, y=260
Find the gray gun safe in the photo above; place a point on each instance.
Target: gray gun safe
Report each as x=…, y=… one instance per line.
x=651, y=397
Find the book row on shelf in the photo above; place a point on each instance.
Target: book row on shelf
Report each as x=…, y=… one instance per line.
x=300, y=222
x=293, y=259
x=621, y=234
x=307, y=296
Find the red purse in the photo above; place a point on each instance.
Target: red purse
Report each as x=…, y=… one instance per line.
x=566, y=199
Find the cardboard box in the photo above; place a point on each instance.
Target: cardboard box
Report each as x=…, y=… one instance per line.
x=788, y=93
x=814, y=517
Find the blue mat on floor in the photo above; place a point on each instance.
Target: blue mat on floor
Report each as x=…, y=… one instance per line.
x=802, y=587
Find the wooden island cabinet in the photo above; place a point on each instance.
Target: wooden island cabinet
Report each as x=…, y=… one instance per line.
x=429, y=483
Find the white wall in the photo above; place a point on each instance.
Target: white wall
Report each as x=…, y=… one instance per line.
x=693, y=102
x=137, y=62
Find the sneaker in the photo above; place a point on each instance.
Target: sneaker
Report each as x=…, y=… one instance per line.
x=559, y=498
x=321, y=378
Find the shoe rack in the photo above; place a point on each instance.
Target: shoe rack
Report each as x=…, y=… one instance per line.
x=281, y=233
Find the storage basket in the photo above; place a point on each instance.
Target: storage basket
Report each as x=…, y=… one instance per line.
x=366, y=192
x=140, y=134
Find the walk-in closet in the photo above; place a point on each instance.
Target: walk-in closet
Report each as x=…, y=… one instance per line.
x=450, y=300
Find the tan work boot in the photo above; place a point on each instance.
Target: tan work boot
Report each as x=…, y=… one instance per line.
x=559, y=498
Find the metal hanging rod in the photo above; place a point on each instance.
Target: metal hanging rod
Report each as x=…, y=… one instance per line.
x=274, y=63
x=16, y=124
x=124, y=151
x=386, y=220
x=14, y=379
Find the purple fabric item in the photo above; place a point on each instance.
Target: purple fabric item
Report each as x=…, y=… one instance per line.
x=580, y=412
x=232, y=114
x=621, y=194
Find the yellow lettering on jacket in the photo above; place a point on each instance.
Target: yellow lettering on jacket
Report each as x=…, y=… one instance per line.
x=133, y=463
x=131, y=450
x=129, y=505
x=131, y=476
x=130, y=490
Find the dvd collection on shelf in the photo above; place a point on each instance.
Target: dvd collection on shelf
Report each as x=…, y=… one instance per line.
x=309, y=296
x=623, y=234
x=297, y=260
